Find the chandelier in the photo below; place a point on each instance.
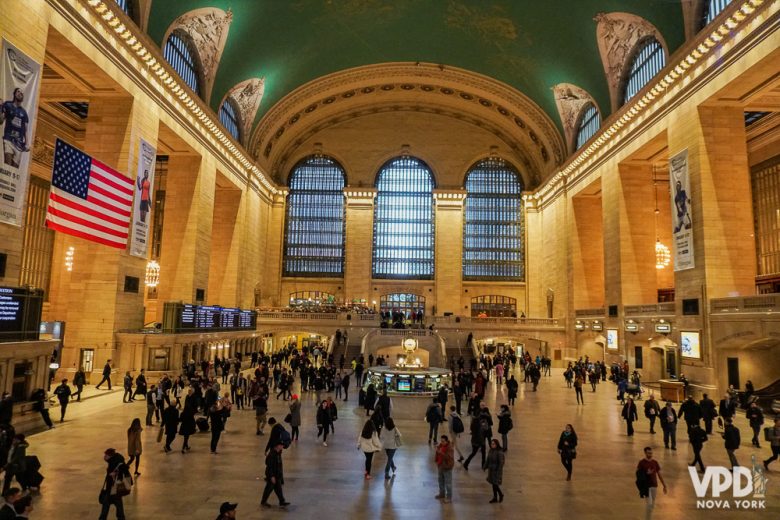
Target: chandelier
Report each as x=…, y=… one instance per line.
x=152, y=277
x=662, y=255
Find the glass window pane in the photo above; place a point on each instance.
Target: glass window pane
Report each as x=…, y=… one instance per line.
x=181, y=56
x=647, y=62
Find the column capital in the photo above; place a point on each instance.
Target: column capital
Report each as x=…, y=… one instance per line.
x=449, y=198
x=280, y=197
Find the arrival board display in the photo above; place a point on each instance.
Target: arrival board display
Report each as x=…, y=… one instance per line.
x=213, y=317
x=20, y=313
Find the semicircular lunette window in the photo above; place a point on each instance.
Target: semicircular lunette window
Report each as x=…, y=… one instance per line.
x=493, y=224
x=179, y=52
x=589, y=125
x=314, y=228
x=228, y=116
x=403, y=221
x=648, y=61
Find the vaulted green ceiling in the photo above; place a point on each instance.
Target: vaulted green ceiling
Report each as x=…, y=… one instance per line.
x=530, y=45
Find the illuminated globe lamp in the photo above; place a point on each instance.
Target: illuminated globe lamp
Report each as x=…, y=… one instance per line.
x=662, y=255
x=152, y=278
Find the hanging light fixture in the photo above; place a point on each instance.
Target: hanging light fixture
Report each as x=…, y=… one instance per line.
x=152, y=278
x=69, y=254
x=662, y=254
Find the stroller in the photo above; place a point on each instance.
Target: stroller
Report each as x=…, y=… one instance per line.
x=634, y=391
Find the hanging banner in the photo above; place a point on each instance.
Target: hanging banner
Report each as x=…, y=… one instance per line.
x=682, y=224
x=19, y=84
x=142, y=207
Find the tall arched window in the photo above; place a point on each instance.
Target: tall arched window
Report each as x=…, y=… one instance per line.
x=712, y=8
x=589, y=124
x=493, y=225
x=228, y=116
x=314, y=231
x=403, y=220
x=180, y=53
x=127, y=7
x=648, y=61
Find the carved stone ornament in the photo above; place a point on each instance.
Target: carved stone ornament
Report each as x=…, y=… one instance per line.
x=247, y=96
x=42, y=152
x=617, y=35
x=570, y=100
x=208, y=29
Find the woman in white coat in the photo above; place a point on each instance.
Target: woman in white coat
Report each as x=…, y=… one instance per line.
x=368, y=443
x=391, y=441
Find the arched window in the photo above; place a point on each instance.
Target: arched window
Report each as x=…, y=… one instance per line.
x=402, y=302
x=403, y=220
x=181, y=55
x=589, y=124
x=493, y=306
x=648, y=61
x=314, y=231
x=127, y=7
x=493, y=225
x=712, y=8
x=228, y=116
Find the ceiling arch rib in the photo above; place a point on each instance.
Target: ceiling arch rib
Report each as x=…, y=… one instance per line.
x=208, y=30
x=411, y=86
x=617, y=35
x=570, y=100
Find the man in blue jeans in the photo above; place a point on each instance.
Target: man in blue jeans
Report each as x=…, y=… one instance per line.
x=106, y=375
x=445, y=460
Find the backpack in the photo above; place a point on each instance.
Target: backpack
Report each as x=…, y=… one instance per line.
x=457, y=425
x=484, y=426
x=285, y=438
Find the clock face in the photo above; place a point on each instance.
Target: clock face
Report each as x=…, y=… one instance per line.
x=410, y=344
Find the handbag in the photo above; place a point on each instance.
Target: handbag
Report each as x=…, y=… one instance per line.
x=103, y=496
x=288, y=418
x=160, y=434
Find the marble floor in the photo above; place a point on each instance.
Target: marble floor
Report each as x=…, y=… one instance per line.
x=325, y=483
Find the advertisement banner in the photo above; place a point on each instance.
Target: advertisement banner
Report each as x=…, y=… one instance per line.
x=682, y=224
x=142, y=206
x=19, y=85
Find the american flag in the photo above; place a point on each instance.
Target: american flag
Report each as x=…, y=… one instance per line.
x=88, y=199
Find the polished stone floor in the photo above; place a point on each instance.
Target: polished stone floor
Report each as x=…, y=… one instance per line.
x=326, y=483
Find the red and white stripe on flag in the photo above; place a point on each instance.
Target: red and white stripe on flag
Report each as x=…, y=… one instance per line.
x=89, y=199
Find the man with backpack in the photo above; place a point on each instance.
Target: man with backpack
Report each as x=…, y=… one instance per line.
x=731, y=440
x=456, y=429
x=278, y=435
x=63, y=395
x=274, y=476
x=477, y=441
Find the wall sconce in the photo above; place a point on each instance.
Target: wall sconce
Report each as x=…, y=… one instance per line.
x=69, y=254
x=152, y=278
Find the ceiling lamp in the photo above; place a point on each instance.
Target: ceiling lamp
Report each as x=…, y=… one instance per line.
x=152, y=278
x=662, y=255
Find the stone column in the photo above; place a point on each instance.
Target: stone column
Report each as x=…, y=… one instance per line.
x=273, y=250
x=359, y=243
x=226, y=246
x=186, y=247
x=449, y=249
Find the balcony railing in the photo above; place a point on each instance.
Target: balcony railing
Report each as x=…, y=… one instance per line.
x=746, y=304
x=654, y=309
x=375, y=320
x=588, y=313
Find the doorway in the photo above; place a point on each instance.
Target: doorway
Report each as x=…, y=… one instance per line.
x=732, y=364
x=86, y=358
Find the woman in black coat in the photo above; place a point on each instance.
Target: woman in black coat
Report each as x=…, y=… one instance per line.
x=187, y=426
x=629, y=415
x=370, y=399
x=567, y=447
x=324, y=421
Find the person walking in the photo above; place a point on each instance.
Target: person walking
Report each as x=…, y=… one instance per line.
x=652, y=411
x=274, y=476
x=127, y=384
x=106, y=375
x=170, y=420
x=578, y=389
x=477, y=441
x=629, y=415
x=391, y=441
x=433, y=416
x=368, y=443
x=295, y=417
x=217, y=425
x=731, y=440
x=774, y=440
x=456, y=429
x=668, y=420
x=325, y=421
x=151, y=406
x=697, y=438
x=756, y=418
x=16, y=465
x=187, y=425
x=140, y=385
x=690, y=411
x=445, y=461
x=134, y=447
x=116, y=471
x=708, y=412
x=567, y=448
x=79, y=380
x=650, y=471
x=63, y=393
x=504, y=425
x=512, y=386
x=42, y=405
x=495, y=468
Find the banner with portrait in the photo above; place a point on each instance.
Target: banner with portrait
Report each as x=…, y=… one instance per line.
x=682, y=222
x=144, y=198
x=19, y=85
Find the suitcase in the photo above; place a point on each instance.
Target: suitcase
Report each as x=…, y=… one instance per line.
x=203, y=424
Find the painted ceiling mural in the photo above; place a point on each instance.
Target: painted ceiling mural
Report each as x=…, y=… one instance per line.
x=531, y=46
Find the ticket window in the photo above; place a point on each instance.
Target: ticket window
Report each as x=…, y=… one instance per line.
x=158, y=359
x=86, y=359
